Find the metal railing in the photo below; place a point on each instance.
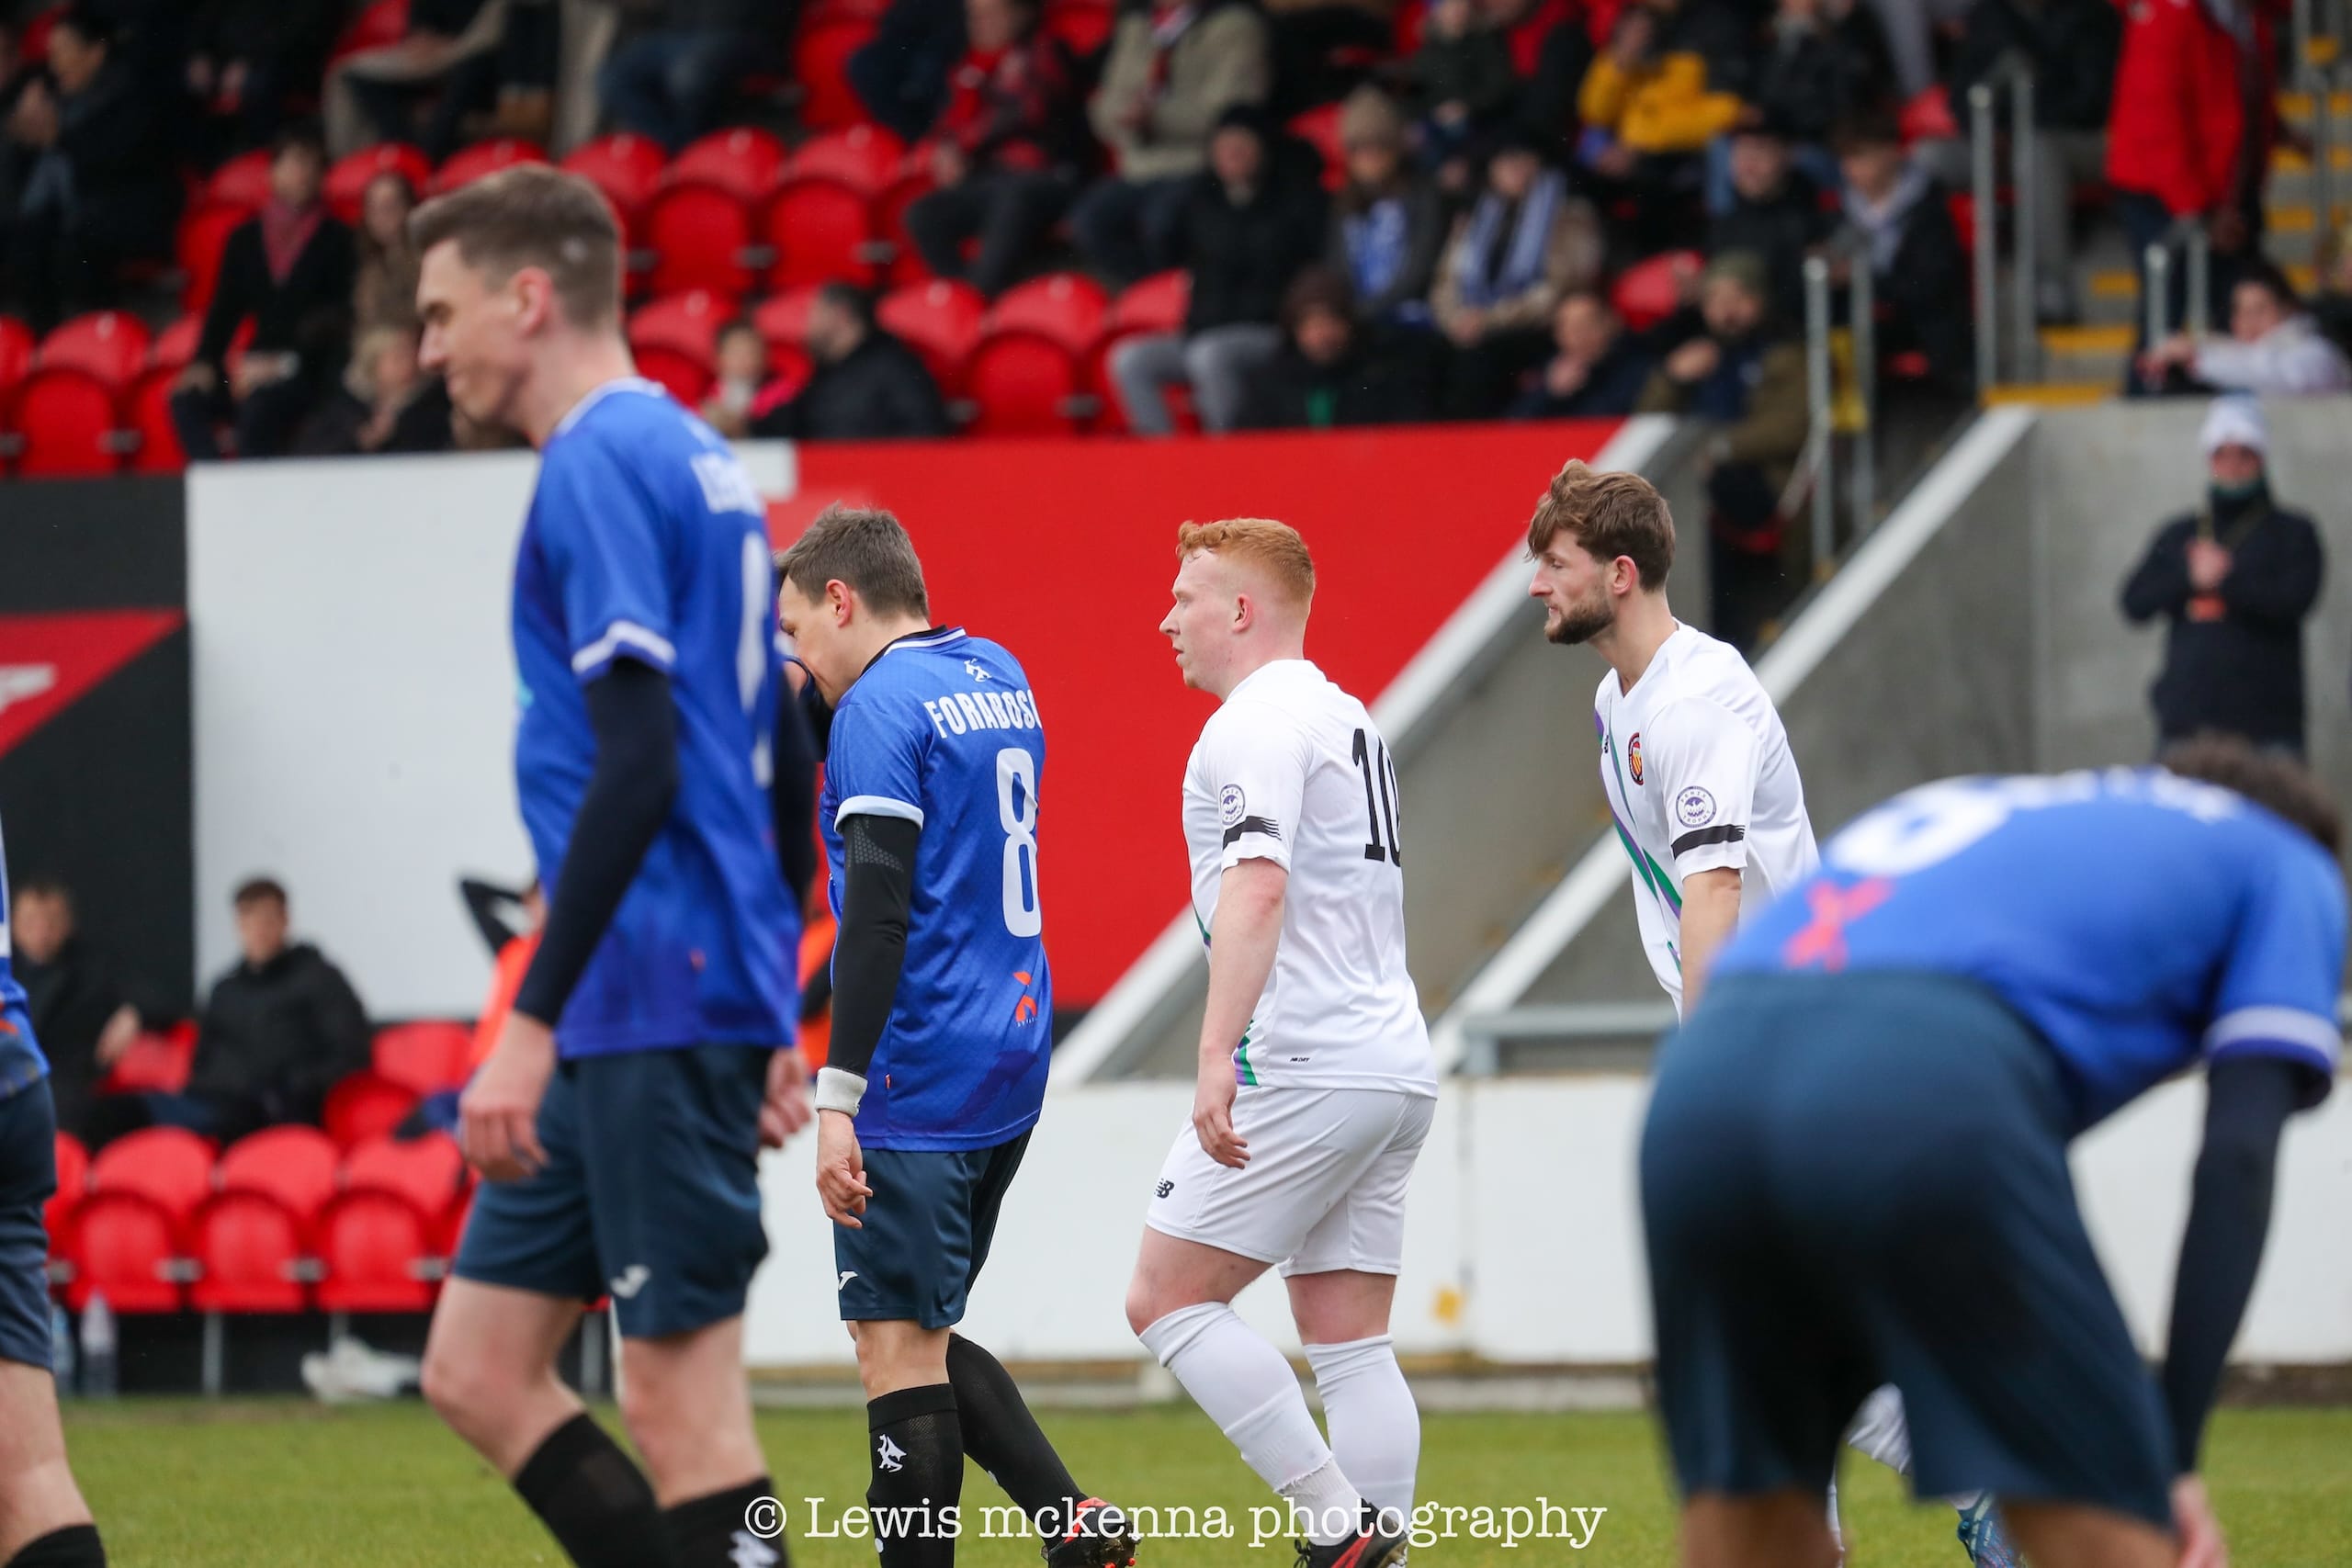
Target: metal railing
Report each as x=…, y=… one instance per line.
x=2195, y=247
x=1821, y=396
x=2015, y=74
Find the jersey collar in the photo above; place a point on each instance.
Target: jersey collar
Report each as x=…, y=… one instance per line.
x=598, y=394
x=932, y=636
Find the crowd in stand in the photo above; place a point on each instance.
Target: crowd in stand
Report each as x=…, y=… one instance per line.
x=1491, y=166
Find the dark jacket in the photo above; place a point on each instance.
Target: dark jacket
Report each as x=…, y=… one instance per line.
x=1474, y=71
x=1243, y=256
x=119, y=144
x=879, y=391
x=1807, y=80
x=2234, y=659
x=1756, y=397
x=280, y=1035
x=1781, y=230
x=309, y=313
x=2074, y=46
x=334, y=431
x=1922, y=290
x=69, y=1000
x=1422, y=212
x=1362, y=387
x=1611, y=388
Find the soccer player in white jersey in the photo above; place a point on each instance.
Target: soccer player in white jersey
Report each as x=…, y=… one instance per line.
x=1316, y=1085
x=1700, y=782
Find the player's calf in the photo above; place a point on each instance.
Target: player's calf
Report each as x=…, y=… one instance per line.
x=75, y=1546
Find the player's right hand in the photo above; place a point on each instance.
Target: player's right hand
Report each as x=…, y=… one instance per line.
x=841, y=1170
x=498, y=1114
x=2202, y=1545
x=1213, y=1115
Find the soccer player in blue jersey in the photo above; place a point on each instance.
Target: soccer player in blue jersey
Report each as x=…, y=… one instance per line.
x=1854, y=1170
x=943, y=1025
x=43, y=1521
x=620, y=1115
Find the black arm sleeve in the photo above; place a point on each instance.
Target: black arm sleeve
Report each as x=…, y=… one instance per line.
x=629, y=796
x=488, y=903
x=2249, y=1100
x=793, y=795
x=872, y=947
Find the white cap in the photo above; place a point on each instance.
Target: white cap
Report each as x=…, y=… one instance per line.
x=2234, y=422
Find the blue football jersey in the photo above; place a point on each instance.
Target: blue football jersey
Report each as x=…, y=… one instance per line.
x=941, y=730
x=648, y=541
x=21, y=1063
x=2138, y=920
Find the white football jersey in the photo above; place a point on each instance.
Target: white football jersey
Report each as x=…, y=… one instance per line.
x=1699, y=776
x=1291, y=770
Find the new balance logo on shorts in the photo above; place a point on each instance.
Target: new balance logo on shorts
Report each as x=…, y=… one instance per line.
x=631, y=1280
x=1165, y=1188
x=888, y=1454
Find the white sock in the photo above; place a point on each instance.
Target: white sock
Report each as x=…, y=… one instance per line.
x=1836, y=1535
x=1375, y=1427
x=1243, y=1384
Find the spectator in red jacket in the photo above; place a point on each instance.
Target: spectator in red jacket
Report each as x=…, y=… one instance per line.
x=2191, y=131
x=1002, y=149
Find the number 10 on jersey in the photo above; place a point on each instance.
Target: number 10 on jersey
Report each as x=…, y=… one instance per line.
x=1379, y=800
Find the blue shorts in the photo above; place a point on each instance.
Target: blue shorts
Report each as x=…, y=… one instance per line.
x=927, y=1230
x=650, y=1192
x=28, y=1179
x=1851, y=1180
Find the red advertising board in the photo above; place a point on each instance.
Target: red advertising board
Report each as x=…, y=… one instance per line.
x=1065, y=552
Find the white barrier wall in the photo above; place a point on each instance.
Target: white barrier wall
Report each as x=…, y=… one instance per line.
x=1524, y=1239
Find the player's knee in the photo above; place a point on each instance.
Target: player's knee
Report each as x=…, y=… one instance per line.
x=465, y=1389
x=1145, y=1306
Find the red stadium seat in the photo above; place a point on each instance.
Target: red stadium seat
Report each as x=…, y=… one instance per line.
x=175, y=345
x=688, y=378
x=822, y=231
x=249, y=1255
x=147, y=415
x=1023, y=384
x=866, y=158
x=784, y=318
x=1929, y=117
x=1319, y=129
x=125, y=1248
x=381, y=22
x=108, y=345
x=744, y=162
x=428, y=1171
x=685, y=324
x=426, y=1056
x=32, y=45
x=485, y=158
x=377, y=1253
x=203, y=235
x=1084, y=25
x=1066, y=308
x=169, y=1166
x=347, y=182
x=820, y=64
x=1155, y=304
x=939, y=321
x=64, y=425
x=72, y=1172
x=159, y=1062
x=889, y=223
x=291, y=1166
x=364, y=1106
x=1649, y=291
x=15, y=354
x=698, y=235
x=243, y=181
x=626, y=167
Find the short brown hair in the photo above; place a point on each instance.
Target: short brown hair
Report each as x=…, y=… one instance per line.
x=533, y=216
x=1610, y=515
x=867, y=548
x=2275, y=782
x=1274, y=546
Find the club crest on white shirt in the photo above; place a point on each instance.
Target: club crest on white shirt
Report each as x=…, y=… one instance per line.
x=1694, y=807
x=1231, y=806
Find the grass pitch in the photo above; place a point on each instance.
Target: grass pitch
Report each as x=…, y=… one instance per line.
x=257, y=1484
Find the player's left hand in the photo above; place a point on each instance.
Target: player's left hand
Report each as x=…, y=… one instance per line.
x=1213, y=1115
x=2202, y=1545
x=785, y=1110
x=498, y=1114
x=841, y=1171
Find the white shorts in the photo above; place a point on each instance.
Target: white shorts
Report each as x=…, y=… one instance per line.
x=1323, y=1189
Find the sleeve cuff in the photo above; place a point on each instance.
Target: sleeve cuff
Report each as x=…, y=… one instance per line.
x=2283, y=1032
x=877, y=805
x=625, y=637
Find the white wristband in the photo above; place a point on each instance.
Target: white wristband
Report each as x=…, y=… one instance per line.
x=839, y=1089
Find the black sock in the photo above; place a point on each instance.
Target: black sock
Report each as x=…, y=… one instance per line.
x=717, y=1531
x=916, y=1452
x=1003, y=1438
x=75, y=1546
x=592, y=1498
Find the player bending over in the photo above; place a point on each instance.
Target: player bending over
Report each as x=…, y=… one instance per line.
x=1317, y=1086
x=1700, y=783
x=619, y=1116
x=943, y=1024
x=1854, y=1170
x=43, y=1521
